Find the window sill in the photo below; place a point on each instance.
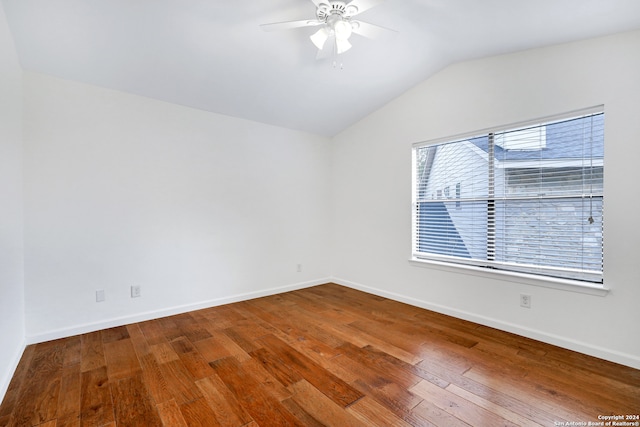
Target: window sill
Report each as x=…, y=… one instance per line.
x=528, y=279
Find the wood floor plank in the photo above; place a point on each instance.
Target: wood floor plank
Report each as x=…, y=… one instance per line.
x=341, y=332
x=170, y=328
x=222, y=317
x=452, y=357
x=518, y=402
x=96, y=406
x=332, y=386
x=122, y=360
x=393, y=364
x=466, y=411
x=348, y=370
x=73, y=351
x=38, y=399
x=268, y=382
x=211, y=349
x=397, y=400
x=198, y=414
x=133, y=406
x=138, y=339
x=615, y=400
x=155, y=382
x=243, y=341
x=46, y=402
x=72, y=421
x=276, y=367
x=320, y=407
x=153, y=331
x=371, y=413
x=297, y=337
x=164, y=352
x=191, y=329
x=197, y=366
x=248, y=311
x=492, y=407
x=92, y=352
x=324, y=355
x=359, y=305
x=299, y=412
x=220, y=346
x=362, y=339
x=229, y=412
x=616, y=391
x=170, y=414
x=307, y=324
x=437, y=416
x=263, y=408
x=298, y=300
x=555, y=402
x=18, y=382
x=70, y=392
x=180, y=382
x=371, y=339
x=114, y=334
x=399, y=339
x=352, y=370
x=374, y=361
x=270, y=303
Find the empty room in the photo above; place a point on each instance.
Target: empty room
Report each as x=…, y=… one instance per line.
x=313, y=212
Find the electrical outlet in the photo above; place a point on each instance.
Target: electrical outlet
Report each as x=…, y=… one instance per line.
x=299, y=269
x=525, y=300
x=135, y=291
x=100, y=295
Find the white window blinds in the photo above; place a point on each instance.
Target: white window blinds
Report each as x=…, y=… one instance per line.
x=527, y=199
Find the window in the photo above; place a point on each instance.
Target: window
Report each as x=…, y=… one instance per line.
x=528, y=199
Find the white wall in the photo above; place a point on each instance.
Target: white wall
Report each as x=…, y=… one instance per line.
x=372, y=191
x=11, y=240
x=196, y=208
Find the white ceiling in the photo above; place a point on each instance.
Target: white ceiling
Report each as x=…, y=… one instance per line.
x=212, y=54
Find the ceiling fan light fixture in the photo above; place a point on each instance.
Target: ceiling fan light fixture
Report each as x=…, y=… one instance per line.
x=343, y=30
x=342, y=45
x=319, y=38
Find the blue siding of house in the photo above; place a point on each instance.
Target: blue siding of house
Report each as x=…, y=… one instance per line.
x=438, y=233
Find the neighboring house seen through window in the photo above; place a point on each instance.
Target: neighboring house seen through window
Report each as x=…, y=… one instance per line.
x=527, y=199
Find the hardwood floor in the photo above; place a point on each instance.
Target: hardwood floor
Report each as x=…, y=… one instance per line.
x=326, y=355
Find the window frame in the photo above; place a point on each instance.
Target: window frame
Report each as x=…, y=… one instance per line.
x=441, y=263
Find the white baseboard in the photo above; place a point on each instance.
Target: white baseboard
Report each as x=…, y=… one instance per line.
x=169, y=311
x=7, y=375
x=560, y=341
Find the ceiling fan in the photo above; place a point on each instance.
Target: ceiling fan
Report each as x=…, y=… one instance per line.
x=335, y=19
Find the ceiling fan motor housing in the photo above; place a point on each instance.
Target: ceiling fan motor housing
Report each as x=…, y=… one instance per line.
x=339, y=8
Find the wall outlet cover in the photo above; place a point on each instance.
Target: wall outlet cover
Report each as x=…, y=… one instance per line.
x=135, y=291
x=525, y=300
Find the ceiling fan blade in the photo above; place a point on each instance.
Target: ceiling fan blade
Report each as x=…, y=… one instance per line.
x=277, y=26
x=356, y=7
x=370, y=31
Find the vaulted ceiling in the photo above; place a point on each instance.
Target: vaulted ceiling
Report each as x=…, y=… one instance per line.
x=212, y=54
